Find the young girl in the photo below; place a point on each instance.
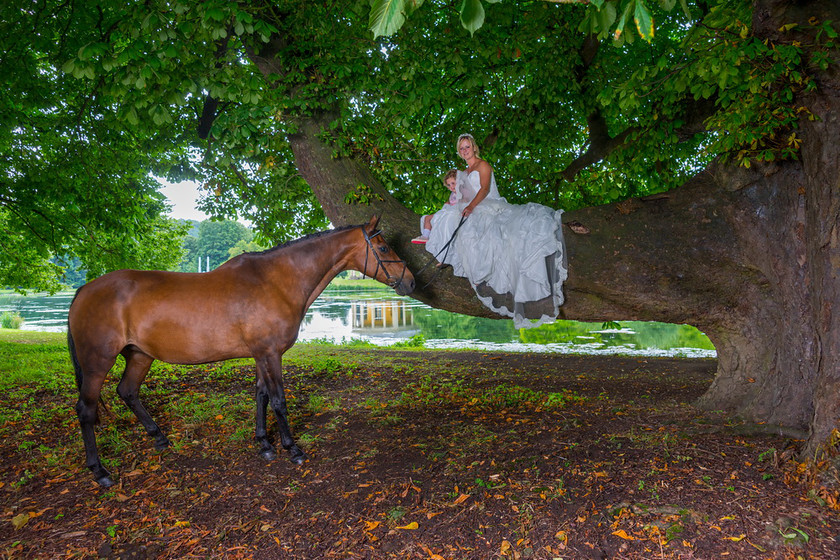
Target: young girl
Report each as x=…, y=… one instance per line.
x=426, y=221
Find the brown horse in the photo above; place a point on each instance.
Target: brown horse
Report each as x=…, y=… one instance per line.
x=251, y=306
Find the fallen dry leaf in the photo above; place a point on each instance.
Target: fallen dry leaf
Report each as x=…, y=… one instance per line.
x=461, y=499
x=735, y=539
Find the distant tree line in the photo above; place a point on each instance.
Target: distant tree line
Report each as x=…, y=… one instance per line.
x=217, y=241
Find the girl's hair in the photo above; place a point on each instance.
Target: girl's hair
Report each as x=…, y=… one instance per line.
x=472, y=141
x=452, y=173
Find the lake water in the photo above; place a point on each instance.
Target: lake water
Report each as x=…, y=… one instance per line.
x=383, y=318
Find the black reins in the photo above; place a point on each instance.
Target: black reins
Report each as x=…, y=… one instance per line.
x=445, y=248
x=381, y=263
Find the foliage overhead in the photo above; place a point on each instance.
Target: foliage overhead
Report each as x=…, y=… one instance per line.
x=570, y=107
x=74, y=178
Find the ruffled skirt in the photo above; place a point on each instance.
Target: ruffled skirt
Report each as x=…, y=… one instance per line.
x=513, y=255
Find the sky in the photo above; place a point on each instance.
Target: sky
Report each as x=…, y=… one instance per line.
x=182, y=197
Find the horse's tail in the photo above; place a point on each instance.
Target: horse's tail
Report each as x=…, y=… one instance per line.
x=71, y=346
x=75, y=359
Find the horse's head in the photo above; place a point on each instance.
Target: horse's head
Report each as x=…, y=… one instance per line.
x=388, y=267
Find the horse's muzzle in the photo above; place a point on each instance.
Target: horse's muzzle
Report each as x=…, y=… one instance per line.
x=404, y=287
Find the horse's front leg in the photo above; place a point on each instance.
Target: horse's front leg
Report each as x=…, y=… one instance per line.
x=267, y=450
x=270, y=391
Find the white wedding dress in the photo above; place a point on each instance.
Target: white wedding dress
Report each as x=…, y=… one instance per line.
x=513, y=255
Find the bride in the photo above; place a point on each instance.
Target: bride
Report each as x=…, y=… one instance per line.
x=513, y=255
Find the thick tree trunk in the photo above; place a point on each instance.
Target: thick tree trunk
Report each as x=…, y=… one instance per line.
x=335, y=180
x=751, y=257
x=821, y=170
x=727, y=253
x=748, y=256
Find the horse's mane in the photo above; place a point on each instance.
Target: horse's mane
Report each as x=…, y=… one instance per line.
x=309, y=237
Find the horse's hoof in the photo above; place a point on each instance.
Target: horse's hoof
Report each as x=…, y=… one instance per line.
x=268, y=454
x=161, y=443
x=298, y=457
x=105, y=481
x=101, y=476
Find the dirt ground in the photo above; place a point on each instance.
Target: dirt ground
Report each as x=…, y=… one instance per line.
x=427, y=455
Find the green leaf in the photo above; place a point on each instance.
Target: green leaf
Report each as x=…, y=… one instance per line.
x=22, y=519
x=386, y=16
x=606, y=17
x=131, y=116
x=216, y=14
x=472, y=15
x=623, y=21
x=644, y=21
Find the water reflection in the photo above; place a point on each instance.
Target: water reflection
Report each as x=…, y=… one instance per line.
x=377, y=316
x=381, y=317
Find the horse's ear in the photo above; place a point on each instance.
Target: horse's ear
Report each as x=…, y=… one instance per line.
x=374, y=223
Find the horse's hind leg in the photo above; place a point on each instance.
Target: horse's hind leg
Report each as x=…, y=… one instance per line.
x=137, y=366
x=87, y=410
x=270, y=390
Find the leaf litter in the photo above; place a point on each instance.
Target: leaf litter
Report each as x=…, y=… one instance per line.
x=414, y=454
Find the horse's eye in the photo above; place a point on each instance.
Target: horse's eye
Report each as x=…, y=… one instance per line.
x=383, y=248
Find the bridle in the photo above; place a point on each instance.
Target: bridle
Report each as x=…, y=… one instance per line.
x=393, y=281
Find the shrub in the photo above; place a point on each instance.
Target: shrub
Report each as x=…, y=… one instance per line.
x=11, y=320
x=416, y=341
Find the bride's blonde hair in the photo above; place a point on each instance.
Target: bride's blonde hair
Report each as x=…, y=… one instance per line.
x=472, y=142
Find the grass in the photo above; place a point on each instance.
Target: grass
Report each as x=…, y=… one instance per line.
x=319, y=404
x=466, y=395
x=346, y=284
x=214, y=402
x=34, y=358
x=38, y=394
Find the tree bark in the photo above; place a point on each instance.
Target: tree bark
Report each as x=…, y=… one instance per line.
x=333, y=180
x=749, y=256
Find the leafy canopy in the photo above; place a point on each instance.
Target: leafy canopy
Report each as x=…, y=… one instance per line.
x=573, y=103
x=74, y=178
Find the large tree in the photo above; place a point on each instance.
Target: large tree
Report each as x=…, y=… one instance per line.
x=698, y=156
x=74, y=179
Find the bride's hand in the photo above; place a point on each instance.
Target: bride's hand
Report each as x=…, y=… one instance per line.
x=467, y=211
